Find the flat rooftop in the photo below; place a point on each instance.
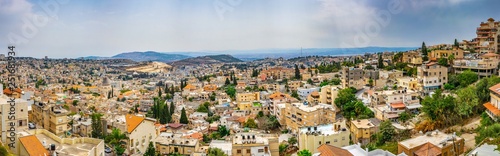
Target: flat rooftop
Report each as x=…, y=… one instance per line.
x=308, y=108
x=327, y=129
x=79, y=149
x=433, y=137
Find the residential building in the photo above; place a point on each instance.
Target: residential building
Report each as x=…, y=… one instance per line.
x=493, y=107
x=352, y=77
x=19, y=116
x=487, y=40
x=39, y=142
x=254, y=144
x=307, y=114
x=413, y=58
x=51, y=117
x=433, y=143
x=485, y=66
x=457, y=53
x=140, y=132
x=306, y=90
x=329, y=94
x=277, y=73
x=335, y=134
x=432, y=76
x=168, y=143
x=363, y=129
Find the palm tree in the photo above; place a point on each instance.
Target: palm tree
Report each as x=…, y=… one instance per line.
x=115, y=138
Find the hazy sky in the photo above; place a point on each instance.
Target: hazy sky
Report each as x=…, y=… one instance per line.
x=74, y=28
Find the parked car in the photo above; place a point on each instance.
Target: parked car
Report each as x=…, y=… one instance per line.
x=107, y=149
x=31, y=125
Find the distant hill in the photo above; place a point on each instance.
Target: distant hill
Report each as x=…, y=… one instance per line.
x=209, y=59
x=150, y=56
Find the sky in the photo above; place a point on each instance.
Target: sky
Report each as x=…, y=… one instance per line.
x=76, y=28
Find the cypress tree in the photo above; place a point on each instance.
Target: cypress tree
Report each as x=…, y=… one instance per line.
x=183, y=119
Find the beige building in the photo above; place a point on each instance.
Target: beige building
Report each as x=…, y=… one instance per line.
x=36, y=142
x=294, y=85
x=485, y=66
x=277, y=73
x=254, y=144
x=336, y=134
x=487, y=40
x=432, y=76
x=362, y=130
x=433, y=143
x=435, y=55
x=168, y=143
x=413, y=58
x=247, y=97
x=19, y=116
x=140, y=132
x=51, y=117
x=493, y=107
x=301, y=115
x=352, y=77
x=329, y=94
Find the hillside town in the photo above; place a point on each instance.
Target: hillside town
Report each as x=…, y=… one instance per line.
x=437, y=100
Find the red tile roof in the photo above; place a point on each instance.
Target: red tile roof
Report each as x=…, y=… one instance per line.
x=492, y=108
x=33, y=146
x=398, y=105
x=329, y=150
x=132, y=122
x=495, y=88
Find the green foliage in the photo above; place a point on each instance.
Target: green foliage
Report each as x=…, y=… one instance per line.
x=467, y=101
x=3, y=151
x=223, y=131
x=282, y=148
x=492, y=131
x=292, y=140
x=369, y=67
x=227, y=82
x=231, y=91
x=202, y=108
x=482, y=91
x=97, y=128
x=350, y=106
x=466, y=78
x=183, y=119
x=250, y=123
x=297, y=72
x=124, y=90
x=213, y=119
x=334, y=81
x=424, y=49
x=150, y=151
x=216, y=152
x=386, y=132
x=295, y=95
x=75, y=103
x=304, y=153
x=449, y=86
x=329, y=67
x=119, y=150
x=440, y=109
x=443, y=62
x=403, y=117
x=380, y=61
x=260, y=114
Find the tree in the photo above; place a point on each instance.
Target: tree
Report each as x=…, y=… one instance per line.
x=202, y=108
x=231, y=91
x=282, y=149
x=304, y=153
x=223, y=131
x=251, y=123
x=216, y=152
x=227, y=81
x=386, y=133
x=297, y=72
x=183, y=119
x=292, y=140
x=424, y=52
x=150, y=151
x=234, y=81
x=466, y=101
x=439, y=110
x=260, y=114
x=466, y=78
x=75, y=102
x=114, y=139
x=370, y=82
x=403, y=117
x=159, y=92
x=172, y=108
x=443, y=62
x=96, y=126
x=380, y=61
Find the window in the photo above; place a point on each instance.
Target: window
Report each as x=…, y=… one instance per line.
x=343, y=138
x=238, y=151
x=248, y=151
x=261, y=150
x=320, y=143
x=328, y=142
x=335, y=140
